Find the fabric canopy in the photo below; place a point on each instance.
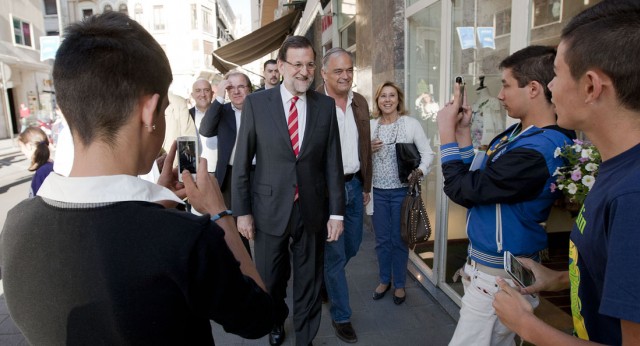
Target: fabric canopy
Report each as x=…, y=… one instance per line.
x=254, y=45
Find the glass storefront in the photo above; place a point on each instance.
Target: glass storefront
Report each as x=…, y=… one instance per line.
x=449, y=38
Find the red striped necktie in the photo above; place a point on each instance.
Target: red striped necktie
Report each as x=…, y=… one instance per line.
x=292, y=123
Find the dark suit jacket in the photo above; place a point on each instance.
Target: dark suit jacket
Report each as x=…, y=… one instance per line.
x=317, y=170
x=220, y=120
x=361, y=113
x=192, y=112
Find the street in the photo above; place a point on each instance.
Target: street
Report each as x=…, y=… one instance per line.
x=15, y=180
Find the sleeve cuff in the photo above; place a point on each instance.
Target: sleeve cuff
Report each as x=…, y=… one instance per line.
x=467, y=154
x=336, y=217
x=450, y=152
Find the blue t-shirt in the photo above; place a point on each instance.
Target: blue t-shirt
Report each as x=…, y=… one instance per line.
x=41, y=174
x=605, y=252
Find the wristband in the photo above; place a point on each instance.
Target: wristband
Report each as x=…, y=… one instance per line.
x=221, y=215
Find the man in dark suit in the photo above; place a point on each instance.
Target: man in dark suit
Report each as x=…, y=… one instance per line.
x=353, y=118
x=271, y=75
x=296, y=196
x=223, y=120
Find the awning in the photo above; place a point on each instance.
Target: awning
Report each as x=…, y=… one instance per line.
x=256, y=44
x=15, y=56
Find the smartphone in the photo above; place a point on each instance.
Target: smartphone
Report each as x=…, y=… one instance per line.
x=187, y=155
x=460, y=81
x=521, y=275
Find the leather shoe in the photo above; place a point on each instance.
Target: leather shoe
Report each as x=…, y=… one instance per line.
x=377, y=295
x=345, y=332
x=399, y=300
x=276, y=336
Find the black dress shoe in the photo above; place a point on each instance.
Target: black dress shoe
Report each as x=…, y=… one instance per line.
x=276, y=336
x=377, y=295
x=399, y=300
x=345, y=332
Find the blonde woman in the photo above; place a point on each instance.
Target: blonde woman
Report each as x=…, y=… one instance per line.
x=388, y=127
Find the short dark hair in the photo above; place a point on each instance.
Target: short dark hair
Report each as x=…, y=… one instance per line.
x=294, y=42
x=103, y=66
x=533, y=63
x=607, y=37
x=402, y=110
x=269, y=62
x=335, y=51
x=238, y=73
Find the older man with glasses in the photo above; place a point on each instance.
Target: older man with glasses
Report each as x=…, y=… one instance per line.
x=223, y=120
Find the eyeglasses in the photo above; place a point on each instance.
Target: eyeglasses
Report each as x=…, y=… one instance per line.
x=298, y=66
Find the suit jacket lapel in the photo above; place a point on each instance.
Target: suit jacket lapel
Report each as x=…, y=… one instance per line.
x=312, y=120
x=278, y=116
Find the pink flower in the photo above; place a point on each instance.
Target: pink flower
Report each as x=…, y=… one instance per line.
x=553, y=187
x=576, y=175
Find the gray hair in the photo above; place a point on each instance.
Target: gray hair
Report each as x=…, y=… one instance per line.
x=334, y=51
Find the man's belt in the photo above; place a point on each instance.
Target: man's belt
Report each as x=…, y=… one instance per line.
x=349, y=177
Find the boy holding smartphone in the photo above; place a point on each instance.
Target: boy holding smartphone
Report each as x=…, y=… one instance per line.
x=507, y=195
x=598, y=94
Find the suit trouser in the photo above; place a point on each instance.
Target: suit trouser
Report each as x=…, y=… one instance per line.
x=225, y=188
x=274, y=260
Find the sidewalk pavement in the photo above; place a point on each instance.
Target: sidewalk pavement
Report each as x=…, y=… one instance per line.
x=421, y=320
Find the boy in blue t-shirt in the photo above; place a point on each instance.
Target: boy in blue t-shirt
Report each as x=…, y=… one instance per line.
x=596, y=90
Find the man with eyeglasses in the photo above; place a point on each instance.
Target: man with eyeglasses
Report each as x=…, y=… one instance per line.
x=352, y=113
x=223, y=120
x=295, y=201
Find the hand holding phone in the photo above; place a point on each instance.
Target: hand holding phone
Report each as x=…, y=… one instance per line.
x=460, y=82
x=521, y=275
x=187, y=155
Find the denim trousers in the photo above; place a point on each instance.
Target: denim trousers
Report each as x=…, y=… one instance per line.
x=393, y=253
x=338, y=253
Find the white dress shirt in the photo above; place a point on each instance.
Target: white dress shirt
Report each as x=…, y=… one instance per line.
x=208, y=146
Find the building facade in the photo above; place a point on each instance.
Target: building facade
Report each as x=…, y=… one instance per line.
x=25, y=80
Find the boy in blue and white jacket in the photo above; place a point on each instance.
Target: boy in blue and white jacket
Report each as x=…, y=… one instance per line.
x=508, y=195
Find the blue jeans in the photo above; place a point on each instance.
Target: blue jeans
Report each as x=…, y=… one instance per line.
x=338, y=253
x=393, y=253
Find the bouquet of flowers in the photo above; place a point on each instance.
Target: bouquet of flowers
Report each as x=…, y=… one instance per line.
x=577, y=177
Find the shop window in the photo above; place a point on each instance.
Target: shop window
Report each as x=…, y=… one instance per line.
x=21, y=32
x=546, y=12
x=158, y=17
x=502, y=22
x=346, y=11
x=422, y=99
x=348, y=35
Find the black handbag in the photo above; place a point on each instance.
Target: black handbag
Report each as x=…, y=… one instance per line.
x=415, y=226
x=408, y=158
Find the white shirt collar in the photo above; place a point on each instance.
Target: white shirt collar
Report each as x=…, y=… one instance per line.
x=287, y=96
x=103, y=189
